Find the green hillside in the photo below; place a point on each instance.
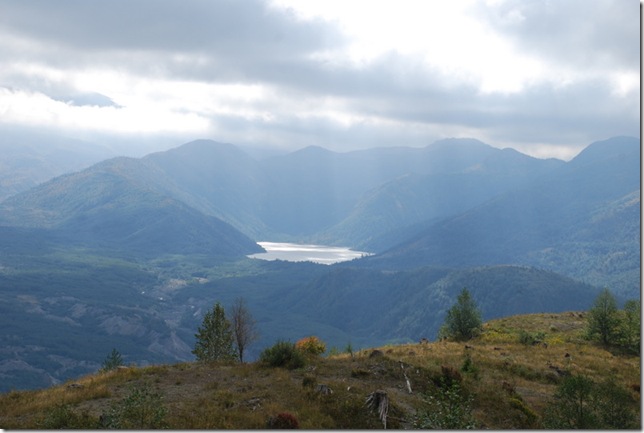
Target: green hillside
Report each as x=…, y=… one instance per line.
x=491, y=382
x=121, y=205
x=582, y=221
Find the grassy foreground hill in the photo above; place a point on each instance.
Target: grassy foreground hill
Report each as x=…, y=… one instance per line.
x=506, y=384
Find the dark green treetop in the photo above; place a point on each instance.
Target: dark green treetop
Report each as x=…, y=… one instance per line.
x=603, y=319
x=214, y=337
x=463, y=321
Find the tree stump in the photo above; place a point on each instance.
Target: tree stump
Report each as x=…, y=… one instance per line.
x=379, y=401
x=323, y=389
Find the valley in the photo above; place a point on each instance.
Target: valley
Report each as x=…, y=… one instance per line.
x=130, y=252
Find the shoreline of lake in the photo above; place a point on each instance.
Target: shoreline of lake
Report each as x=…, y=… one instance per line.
x=323, y=254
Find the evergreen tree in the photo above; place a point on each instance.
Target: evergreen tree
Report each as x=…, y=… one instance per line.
x=603, y=319
x=463, y=321
x=113, y=361
x=580, y=403
x=572, y=405
x=214, y=337
x=630, y=326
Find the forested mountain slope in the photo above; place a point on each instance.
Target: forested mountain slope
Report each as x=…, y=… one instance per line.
x=118, y=205
x=402, y=305
x=582, y=218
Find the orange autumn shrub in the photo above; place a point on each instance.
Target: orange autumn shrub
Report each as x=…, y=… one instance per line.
x=311, y=345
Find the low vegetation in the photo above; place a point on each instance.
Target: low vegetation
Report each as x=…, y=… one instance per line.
x=494, y=380
x=311, y=345
x=283, y=354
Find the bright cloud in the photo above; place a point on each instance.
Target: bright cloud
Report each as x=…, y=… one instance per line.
x=443, y=35
x=38, y=110
x=544, y=77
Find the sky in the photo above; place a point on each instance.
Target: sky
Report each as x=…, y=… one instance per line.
x=546, y=77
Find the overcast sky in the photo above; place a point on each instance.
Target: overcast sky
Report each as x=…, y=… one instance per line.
x=545, y=77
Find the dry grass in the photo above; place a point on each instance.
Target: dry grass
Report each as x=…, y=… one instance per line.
x=510, y=383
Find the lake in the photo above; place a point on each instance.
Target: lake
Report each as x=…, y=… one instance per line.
x=323, y=254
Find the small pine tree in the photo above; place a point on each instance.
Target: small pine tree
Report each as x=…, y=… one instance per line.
x=630, y=328
x=603, y=319
x=463, y=321
x=112, y=362
x=349, y=349
x=214, y=337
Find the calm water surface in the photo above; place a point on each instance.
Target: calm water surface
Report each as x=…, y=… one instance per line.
x=306, y=253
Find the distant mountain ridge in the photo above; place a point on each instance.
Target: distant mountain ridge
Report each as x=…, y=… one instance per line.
x=29, y=158
x=564, y=215
x=456, y=202
x=293, y=195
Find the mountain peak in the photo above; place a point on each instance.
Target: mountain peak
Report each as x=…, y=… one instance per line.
x=204, y=147
x=458, y=143
x=313, y=150
x=609, y=148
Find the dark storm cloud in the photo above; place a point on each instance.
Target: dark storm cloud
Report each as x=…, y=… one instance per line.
x=192, y=38
x=239, y=28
